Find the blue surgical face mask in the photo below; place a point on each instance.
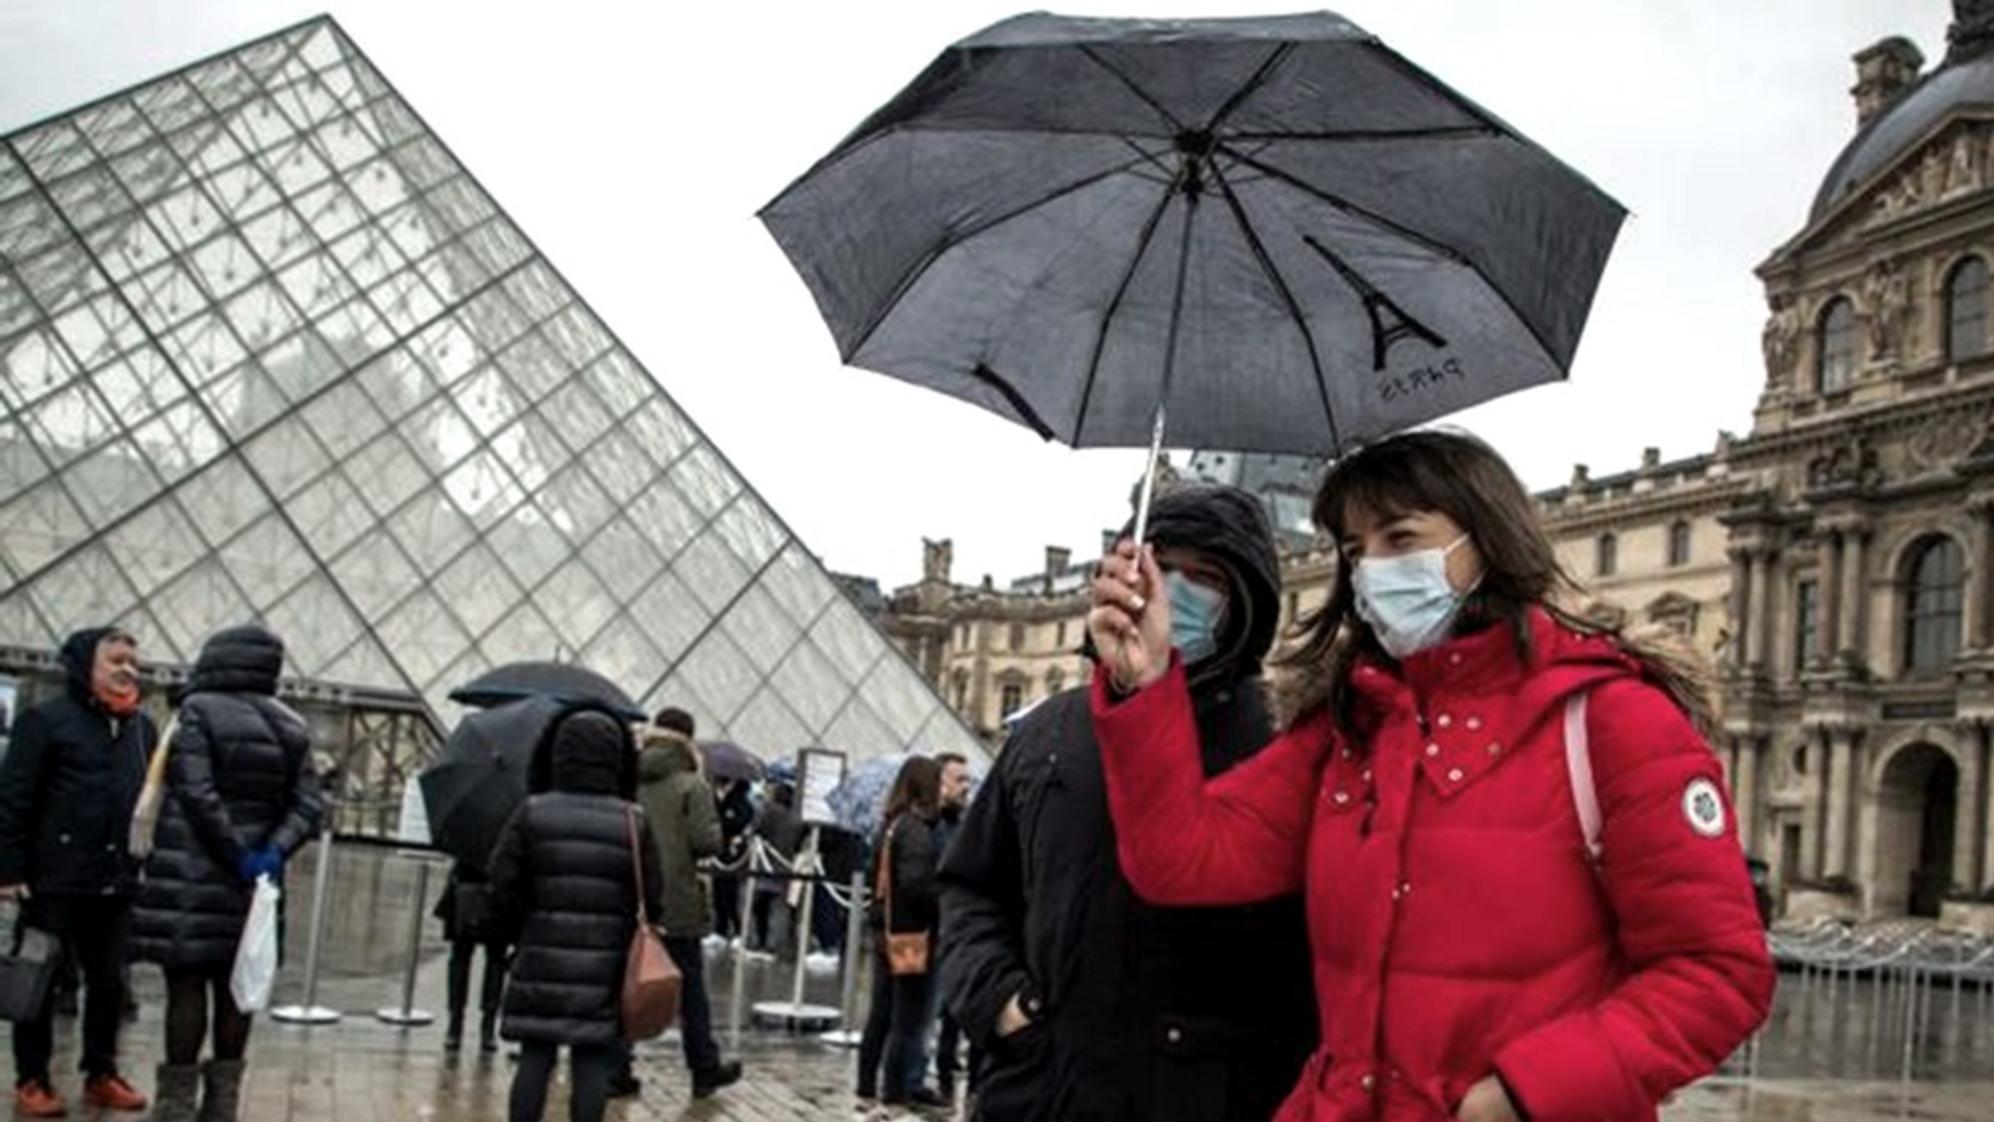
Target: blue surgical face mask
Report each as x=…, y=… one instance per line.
x=1195, y=613
x=1408, y=600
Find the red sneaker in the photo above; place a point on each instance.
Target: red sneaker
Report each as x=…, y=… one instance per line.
x=36, y=1099
x=112, y=1092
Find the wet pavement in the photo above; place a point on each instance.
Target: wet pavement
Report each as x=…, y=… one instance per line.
x=1827, y=1056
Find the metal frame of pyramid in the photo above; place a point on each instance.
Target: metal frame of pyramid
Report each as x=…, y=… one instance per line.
x=267, y=350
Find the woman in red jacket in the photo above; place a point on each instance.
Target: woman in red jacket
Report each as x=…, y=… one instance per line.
x=1495, y=934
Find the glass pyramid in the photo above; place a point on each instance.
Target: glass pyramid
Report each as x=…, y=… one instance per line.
x=267, y=350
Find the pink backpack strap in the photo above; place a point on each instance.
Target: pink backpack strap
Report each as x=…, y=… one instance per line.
x=1578, y=764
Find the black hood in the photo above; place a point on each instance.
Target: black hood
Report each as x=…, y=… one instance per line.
x=245, y=659
x=593, y=756
x=1228, y=525
x=79, y=657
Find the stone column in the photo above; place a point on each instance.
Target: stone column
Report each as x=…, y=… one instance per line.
x=1855, y=606
x=1985, y=810
x=1966, y=808
x=1980, y=607
x=1841, y=784
x=1745, y=789
x=1815, y=816
x=1740, y=604
x=1828, y=598
x=1764, y=609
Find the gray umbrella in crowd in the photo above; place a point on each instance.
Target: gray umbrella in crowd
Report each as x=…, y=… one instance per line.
x=563, y=681
x=1270, y=234
x=726, y=760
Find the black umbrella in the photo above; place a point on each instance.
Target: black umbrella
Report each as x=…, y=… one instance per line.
x=480, y=775
x=725, y=760
x=1275, y=233
x=561, y=680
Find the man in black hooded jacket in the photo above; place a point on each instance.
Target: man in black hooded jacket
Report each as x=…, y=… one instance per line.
x=1092, y=1004
x=67, y=791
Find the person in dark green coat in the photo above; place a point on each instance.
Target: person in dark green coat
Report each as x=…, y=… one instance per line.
x=685, y=820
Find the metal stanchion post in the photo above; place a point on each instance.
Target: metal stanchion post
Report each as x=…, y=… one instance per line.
x=738, y=1004
x=311, y=1012
x=848, y=993
x=805, y=919
x=408, y=1015
x=795, y=1014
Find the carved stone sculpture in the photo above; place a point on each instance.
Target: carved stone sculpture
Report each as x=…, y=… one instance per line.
x=1781, y=339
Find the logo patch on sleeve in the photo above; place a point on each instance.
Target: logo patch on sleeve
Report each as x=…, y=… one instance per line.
x=1703, y=806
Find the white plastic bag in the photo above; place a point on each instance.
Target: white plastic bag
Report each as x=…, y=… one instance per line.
x=256, y=955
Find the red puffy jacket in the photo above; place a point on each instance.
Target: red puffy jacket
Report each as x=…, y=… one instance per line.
x=1458, y=925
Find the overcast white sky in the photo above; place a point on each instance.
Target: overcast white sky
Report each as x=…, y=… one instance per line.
x=634, y=143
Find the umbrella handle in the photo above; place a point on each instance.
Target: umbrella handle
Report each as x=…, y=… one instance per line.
x=1149, y=478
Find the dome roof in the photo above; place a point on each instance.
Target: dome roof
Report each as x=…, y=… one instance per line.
x=1966, y=80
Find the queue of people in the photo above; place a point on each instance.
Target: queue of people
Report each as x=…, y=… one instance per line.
x=240, y=798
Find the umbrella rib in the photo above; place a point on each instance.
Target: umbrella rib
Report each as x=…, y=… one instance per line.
x=1151, y=157
x=1030, y=130
x=1446, y=251
x=1114, y=305
x=1449, y=132
x=927, y=260
x=1274, y=58
x=1343, y=204
x=1280, y=283
x=1168, y=117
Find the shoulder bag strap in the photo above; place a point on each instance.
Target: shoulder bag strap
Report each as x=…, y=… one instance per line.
x=637, y=864
x=1578, y=765
x=883, y=879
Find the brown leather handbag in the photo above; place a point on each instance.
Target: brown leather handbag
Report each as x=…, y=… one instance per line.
x=906, y=952
x=651, y=981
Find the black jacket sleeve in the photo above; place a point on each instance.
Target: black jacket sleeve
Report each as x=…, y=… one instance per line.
x=983, y=910
x=508, y=875
x=190, y=778
x=307, y=806
x=20, y=793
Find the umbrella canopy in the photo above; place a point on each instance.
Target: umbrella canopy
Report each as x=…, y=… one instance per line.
x=861, y=798
x=480, y=775
x=1278, y=228
x=725, y=760
x=560, y=680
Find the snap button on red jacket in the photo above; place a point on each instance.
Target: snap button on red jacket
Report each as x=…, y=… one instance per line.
x=1458, y=926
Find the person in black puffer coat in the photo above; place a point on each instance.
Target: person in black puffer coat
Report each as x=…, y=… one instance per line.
x=242, y=797
x=1090, y=1003
x=563, y=878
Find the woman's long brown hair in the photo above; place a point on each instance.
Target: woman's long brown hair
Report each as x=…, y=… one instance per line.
x=918, y=788
x=1460, y=476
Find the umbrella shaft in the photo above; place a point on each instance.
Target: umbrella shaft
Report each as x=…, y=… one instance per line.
x=1149, y=477
x=1169, y=370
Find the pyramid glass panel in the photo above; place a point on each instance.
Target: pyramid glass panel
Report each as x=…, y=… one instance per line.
x=268, y=350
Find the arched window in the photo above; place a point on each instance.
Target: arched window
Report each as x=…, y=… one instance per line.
x=1966, y=307
x=1932, y=605
x=1608, y=558
x=1055, y=681
x=1835, y=358
x=1679, y=544
x=1010, y=699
